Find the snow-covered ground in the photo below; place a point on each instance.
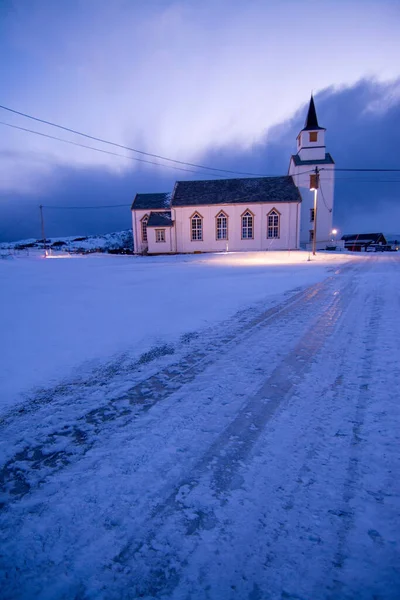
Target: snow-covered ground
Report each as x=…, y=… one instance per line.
x=63, y=316
x=210, y=427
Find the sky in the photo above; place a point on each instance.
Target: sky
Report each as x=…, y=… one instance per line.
x=223, y=83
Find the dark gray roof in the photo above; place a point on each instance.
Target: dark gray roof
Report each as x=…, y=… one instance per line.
x=328, y=160
x=364, y=237
x=236, y=191
x=151, y=201
x=160, y=219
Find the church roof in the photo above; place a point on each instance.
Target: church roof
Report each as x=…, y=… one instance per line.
x=151, y=201
x=160, y=219
x=311, y=120
x=236, y=191
x=328, y=160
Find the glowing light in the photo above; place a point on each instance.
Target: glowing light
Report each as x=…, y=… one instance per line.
x=58, y=256
x=334, y=231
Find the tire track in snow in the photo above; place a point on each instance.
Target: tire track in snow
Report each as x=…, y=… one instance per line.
x=353, y=465
x=222, y=460
x=62, y=447
x=341, y=581
x=297, y=528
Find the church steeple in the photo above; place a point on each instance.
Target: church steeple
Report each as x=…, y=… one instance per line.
x=311, y=120
x=311, y=139
x=311, y=153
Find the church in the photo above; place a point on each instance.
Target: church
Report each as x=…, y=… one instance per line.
x=244, y=214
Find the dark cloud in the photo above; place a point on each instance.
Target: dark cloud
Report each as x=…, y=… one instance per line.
x=363, y=129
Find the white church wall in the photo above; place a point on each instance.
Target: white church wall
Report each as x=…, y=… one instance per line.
x=312, y=153
x=305, y=139
x=155, y=247
x=289, y=227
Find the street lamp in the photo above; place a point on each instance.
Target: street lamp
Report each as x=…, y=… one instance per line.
x=314, y=185
x=334, y=232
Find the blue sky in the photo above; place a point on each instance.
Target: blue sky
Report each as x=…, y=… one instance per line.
x=218, y=82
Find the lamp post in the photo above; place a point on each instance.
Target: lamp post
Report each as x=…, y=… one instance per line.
x=314, y=185
x=42, y=225
x=334, y=232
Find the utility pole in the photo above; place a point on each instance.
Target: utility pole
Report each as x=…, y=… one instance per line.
x=42, y=223
x=315, y=188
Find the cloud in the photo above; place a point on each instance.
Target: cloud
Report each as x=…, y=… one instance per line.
x=355, y=137
x=177, y=78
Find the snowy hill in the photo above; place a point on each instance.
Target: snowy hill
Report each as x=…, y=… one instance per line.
x=120, y=241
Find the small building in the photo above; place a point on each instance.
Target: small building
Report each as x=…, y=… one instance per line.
x=394, y=243
x=363, y=242
x=243, y=214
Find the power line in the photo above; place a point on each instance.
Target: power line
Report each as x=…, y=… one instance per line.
x=361, y=180
x=367, y=170
x=323, y=198
x=142, y=160
x=103, y=141
x=86, y=207
x=181, y=162
x=53, y=137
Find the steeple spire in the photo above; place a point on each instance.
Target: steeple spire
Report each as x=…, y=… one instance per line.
x=311, y=120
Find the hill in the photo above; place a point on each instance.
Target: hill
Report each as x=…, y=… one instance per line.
x=117, y=242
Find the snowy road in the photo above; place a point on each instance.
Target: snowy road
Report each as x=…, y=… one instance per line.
x=259, y=461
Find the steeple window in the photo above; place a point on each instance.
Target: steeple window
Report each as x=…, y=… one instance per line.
x=313, y=135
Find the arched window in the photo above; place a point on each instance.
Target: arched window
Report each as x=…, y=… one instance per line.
x=144, y=227
x=221, y=226
x=247, y=225
x=273, y=224
x=196, y=227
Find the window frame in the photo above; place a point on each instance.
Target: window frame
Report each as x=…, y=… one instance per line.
x=162, y=232
x=143, y=228
x=314, y=181
x=274, y=212
x=196, y=215
x=246, y=214
x=222, y=215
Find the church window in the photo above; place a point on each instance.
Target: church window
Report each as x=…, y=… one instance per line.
x=273, y=220
x=160, y=235
x=312, y=215
x=196, y=222
x=311, y=235
x=144, y=228
x=221, y=226
x=313, y=181
x=313, y=136
x=247, y=225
